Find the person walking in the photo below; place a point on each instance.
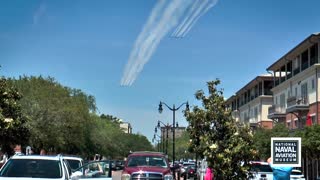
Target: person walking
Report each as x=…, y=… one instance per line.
x=280, y=173
x=3, y=157
x=209, y=174
x=17, y=150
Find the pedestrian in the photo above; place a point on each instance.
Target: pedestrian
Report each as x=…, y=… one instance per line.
x=43, y=152
x=280, y=173
x=3, y=157
x=17, y=150
x=209, y=174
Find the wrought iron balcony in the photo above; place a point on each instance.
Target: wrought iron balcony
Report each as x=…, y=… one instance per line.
x=295, y=104
x=276, y=111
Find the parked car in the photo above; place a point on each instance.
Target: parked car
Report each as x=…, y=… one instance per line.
x=92, y=170
x=260, y=171
x=146, y=165
x=119, y=164
x=184, y=167
x=74, y=162
x=35, y=167
x=296, y=174
x=189, y=172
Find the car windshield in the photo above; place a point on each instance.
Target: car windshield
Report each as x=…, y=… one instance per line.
x=34, y=168
x=296, y=173
x=74, y=164
x=261, y=168
x=147, y=161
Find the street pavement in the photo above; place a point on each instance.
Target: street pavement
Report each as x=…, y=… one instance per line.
x=116, y=175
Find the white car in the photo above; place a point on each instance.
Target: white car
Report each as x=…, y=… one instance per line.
x=260, y=171
x=296, y=175
x=74, y=162
x=33, y=167
x=93, y=170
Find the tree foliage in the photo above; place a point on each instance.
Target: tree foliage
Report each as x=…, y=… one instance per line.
x=262, y=139
x=310, y=140
x=63, y=120
x=12, y=122
x=214, y=134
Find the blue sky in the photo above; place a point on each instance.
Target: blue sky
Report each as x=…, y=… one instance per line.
x=86, y=45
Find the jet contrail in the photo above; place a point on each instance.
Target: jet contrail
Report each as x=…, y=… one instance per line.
x=164, y=17
x=198, y=9
x=187, y=16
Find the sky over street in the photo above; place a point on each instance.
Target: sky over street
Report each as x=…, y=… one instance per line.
x=87, y=44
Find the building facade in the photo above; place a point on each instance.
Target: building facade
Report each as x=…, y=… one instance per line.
x=126, y=127
x=166, y=131
x=250, y=104
x=296, y=85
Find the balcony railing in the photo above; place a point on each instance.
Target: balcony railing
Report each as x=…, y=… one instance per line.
x=276, y=111
x=304, y=65
x=296, y=71
x=289, y=75
x=292, y=101
x=296, y=104
x=312, y=61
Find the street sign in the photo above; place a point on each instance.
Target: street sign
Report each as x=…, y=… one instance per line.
x=286, y=151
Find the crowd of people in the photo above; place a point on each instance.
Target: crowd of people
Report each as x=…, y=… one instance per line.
x=17, y=150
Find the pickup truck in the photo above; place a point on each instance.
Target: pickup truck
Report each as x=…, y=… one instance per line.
x=146, y=165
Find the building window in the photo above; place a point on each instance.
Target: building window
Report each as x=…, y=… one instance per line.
x=289, y=124
x=268, y=85
x=312, y=84
x=289, y=70
x=296, y=123
x=304, y=91
x=282, y=100
x=313, y=118
x=289, y=93
x=296, y=65
x=245, y=117
x=313, y=54
x=256, y=113
x=304, y=60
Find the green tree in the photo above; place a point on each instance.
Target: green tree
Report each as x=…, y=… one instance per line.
x=64, y=120
x=182, y=147
x=310, y=137
x=58, y=115
x=12, y=122
x=262, y=139
x=228, y=146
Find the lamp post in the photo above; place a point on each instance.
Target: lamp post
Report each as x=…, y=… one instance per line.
x=161, y=139
x=173, y=109
x=157, y=141
x=166, y=128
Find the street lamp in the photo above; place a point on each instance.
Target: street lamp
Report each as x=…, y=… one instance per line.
x=173, y=109
x=166, y=128
x=161, y=138
x=155, y=139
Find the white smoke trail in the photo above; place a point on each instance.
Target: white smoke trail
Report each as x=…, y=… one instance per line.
x=191, y=19
x=198, y=10
x=187, y=16
x=164, y=17
x=206, y=9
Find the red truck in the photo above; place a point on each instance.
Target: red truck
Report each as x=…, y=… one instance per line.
x=146, y=165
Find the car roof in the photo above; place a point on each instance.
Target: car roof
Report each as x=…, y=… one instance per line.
x=141, y=153
x=43, y=157
x=72, y=158
x=259, y=162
